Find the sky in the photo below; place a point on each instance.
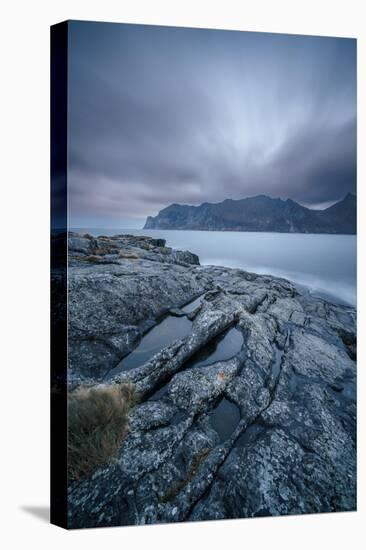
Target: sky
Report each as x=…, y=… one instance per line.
x=161, y=115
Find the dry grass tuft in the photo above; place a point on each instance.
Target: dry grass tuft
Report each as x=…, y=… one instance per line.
x=128, y=255
x=93, y=259
x=102, y=251
x=97, y=424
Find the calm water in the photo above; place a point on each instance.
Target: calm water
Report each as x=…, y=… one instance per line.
x=223, y=347
x=325, y=264
x=160, y=336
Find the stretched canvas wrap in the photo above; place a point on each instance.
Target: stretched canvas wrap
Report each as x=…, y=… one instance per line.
x=203, y=274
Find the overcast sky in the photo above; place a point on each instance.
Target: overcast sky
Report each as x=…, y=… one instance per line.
x=162, y=114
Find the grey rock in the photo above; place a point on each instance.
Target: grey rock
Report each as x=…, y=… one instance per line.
x=185, y=257
x=147, y=378
x=112, y=301
x=292, y=448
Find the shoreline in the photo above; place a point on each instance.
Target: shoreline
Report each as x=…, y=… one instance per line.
x=321, y=284
x=81, y=230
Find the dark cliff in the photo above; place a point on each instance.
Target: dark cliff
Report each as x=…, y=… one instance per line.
x=260, y=213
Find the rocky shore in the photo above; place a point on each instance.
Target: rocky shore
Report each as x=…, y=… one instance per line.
x=263, y=427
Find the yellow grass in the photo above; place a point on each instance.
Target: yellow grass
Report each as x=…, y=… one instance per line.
x=97, y=424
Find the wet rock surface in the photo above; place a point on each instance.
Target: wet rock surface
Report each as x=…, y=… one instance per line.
x=270, y=430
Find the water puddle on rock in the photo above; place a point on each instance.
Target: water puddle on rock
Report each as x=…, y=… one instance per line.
x=160, y=336
x=224, y=418
x=276, y=363
x=159, y=393
x=221, y=348
x=250, y=435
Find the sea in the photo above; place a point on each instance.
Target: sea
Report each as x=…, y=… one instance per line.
x=324, y=265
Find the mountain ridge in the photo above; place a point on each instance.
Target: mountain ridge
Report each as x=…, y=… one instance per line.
x=258, y=213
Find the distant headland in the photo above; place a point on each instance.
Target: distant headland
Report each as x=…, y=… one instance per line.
x=259, y=213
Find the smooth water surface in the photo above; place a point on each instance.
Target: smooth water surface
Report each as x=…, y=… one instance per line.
x=222, y=348
x=325, y=264
x=225, y=418
x=160, y=336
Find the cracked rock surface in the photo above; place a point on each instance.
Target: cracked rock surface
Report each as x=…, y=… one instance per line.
x=270, y=430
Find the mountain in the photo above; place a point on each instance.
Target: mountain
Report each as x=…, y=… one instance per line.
x=260, y=213
x=341, y=215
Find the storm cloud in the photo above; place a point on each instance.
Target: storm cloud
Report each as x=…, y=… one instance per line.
x=162, y=114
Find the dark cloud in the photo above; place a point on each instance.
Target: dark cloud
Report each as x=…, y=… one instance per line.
x=160, y=115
